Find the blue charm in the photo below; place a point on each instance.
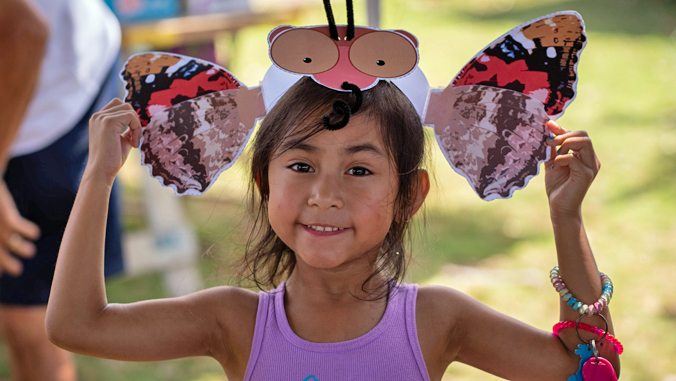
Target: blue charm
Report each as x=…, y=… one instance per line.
x=310, y=378
x=585, y=352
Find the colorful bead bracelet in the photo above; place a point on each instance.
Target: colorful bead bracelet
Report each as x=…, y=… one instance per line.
x=600, y=305
x=589, y=328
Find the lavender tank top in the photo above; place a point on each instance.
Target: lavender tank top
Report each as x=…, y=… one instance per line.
x=390, y=351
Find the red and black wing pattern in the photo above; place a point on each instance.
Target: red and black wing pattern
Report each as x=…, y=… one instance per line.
x=196, y=118
x=538, y=58
x=490, y=122
x=157, y=81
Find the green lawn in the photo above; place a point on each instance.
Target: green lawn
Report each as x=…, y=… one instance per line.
x=501, y=252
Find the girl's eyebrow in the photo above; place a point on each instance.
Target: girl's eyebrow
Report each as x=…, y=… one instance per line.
x=363, y=147
x=350, y=150
x=300, y=146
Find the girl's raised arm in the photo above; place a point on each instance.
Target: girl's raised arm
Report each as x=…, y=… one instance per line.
x=488, y=340
x=568, y=176
x=79, y=317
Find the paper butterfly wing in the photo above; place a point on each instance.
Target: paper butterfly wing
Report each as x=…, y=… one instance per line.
x=189, y=144
x=538, y=58
x=156, y=81
x=198, y=118
x=504, y=96
x=488, y=138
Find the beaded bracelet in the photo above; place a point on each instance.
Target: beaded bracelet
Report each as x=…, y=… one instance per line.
x=589, y=328
x=582, y=308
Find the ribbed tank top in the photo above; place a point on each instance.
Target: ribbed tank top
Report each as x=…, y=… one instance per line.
x=389, y=351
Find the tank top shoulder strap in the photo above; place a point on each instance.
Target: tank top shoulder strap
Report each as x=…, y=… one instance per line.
x=266, y=305
x=412, y=329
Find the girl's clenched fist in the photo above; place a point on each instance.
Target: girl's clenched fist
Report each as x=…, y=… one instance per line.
x=110, y=140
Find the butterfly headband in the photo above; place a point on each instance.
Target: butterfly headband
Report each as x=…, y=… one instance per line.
x=490, y=121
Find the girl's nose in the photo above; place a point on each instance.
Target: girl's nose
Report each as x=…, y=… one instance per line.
x=326, y=193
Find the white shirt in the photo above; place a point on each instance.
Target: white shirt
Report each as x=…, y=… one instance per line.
x=84, y=41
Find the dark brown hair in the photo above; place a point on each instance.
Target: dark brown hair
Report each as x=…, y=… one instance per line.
x=295, y=118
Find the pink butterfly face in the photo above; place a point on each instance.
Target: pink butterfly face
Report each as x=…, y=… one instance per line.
x=371, y=55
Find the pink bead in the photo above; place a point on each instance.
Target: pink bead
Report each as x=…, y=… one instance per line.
x=560, y=287
x=597, y=307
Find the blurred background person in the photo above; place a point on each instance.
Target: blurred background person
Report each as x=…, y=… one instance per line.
x=58, y=65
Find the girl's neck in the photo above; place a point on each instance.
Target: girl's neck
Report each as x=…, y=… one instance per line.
x=347, y=284
x=330, y=305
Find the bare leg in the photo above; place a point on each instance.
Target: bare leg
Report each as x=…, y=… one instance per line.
x=32, y=356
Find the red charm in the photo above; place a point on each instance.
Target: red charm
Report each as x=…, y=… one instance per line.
x=598, y=369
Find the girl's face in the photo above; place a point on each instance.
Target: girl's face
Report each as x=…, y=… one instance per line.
x=332, y=196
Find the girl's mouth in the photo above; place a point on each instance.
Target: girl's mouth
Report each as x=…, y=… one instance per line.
x=323, y=229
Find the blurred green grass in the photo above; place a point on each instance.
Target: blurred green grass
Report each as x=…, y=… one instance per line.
x=499, y=252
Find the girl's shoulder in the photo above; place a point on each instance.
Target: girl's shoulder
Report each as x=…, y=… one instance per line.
x=441, y=300
x=440, y=312
x=232, y=313
x=449, y=304
x=439, y=304
x=449, y=319
x=444, y=310
x=232, y=305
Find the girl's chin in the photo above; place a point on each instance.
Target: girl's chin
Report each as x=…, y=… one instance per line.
x=323, y=264
x=323, y=261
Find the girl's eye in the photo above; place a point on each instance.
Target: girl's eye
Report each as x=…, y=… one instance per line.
x=300, y=167
x=358, y=171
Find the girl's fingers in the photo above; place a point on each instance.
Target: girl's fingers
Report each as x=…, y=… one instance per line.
x=20, y=246
x=118, y=107
x=576, y=141
x=120, y=119
x=557, y=140
x=575, y=164
x=552, y=156
x=555, y=128
x=113, y=103
x=110, y=140
x=9, y=264
x=27, y=228
x=582, y=147
x=130, y=117
x=127, y=135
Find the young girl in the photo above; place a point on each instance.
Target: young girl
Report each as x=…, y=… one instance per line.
x=333, y=209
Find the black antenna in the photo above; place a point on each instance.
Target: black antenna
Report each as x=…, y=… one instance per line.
x=350, y=21
x=342, y=108
x=332, y=23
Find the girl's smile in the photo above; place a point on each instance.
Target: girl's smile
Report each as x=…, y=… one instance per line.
x=325, y=230
x=332, y=196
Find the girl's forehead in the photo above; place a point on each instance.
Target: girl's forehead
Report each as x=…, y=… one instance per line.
x=362, y=129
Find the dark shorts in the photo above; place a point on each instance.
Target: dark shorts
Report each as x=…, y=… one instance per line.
x=44, y=185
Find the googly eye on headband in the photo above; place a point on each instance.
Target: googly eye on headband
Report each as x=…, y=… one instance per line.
x=490, y=121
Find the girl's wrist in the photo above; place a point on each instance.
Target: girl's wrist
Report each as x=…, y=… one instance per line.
x=96, y=177
x=559, y=216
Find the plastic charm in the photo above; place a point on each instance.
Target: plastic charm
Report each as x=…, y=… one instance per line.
x=598, y=369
